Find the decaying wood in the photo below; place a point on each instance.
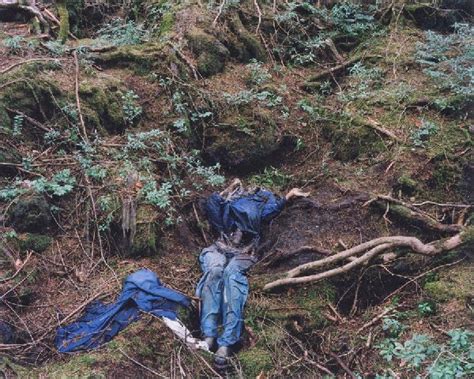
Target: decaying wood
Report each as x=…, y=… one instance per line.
x=370, y=249
x=336, y=69
x=413, y=216
x=28, y=6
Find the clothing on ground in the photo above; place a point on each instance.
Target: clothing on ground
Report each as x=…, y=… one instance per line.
x=244, y=211
x=142, y=291
x=223, y=290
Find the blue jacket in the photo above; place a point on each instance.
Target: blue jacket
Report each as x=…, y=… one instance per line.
x=245, y=213
x=142, y=291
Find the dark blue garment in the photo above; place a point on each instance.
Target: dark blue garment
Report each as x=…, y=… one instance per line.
x=142, y=291
x=245, y=213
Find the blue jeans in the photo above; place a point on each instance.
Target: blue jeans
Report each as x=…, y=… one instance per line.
x=223, y=290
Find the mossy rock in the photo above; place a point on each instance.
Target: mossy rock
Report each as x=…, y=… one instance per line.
x=31, y=214
x=243, y=142
x=242, y=44
x=35, y=242
x=254, y=361
x=103, y=99
x=456, y=283
x=210, y=52
x=30, y=93
x=9, y=155
x=407, y=185
x=142, y=58
x=350, y=140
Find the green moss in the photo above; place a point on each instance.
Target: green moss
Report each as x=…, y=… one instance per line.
x=243, y=45
x=167, y=23
x=102, y=101
x=146, y=241
x=313, y=300
x=35, y=242
x=456, y=283
x=351, y=140
x=64, y=20
x=407, y=185
x=211, y=54
x=242, y=141
x=254, y=361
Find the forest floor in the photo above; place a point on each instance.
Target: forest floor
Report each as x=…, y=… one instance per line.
x=346, y=326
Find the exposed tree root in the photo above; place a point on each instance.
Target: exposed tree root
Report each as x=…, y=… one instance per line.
x=413, y=215
x=370, y=249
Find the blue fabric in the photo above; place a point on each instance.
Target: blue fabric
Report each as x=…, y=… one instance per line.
x=142, y=291
x=223, y=290
x=245, y=213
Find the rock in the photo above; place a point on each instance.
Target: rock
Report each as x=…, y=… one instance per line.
x=406, y=184
x=211, y=53
x=103, y=104
x=31, y=214
x=351, y=140
x=244, y=143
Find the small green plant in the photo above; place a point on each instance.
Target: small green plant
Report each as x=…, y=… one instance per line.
x=420, y=136
x=392, y=327
x=119, y=33
x=427, y=308
x=440, y=361
x=61, y=184
x=258, y=74
x=131, y=109
x=17, y=125
x=14, y=44
x=448, y=59
x=271, y=178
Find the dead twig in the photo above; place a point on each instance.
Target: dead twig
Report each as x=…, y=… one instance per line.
x=259, y=14
x=343, y=365
x=78, y=101
x=219, y=12
x=375, y=319
x=140, y=364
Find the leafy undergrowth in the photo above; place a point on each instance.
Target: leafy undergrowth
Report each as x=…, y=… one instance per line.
x=174, y=105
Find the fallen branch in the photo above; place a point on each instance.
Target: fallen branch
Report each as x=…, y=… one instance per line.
x=31, y=120
x=11, y=67
x=375, y=319
x=370, y=249
x=334, y=70
x=343, y=365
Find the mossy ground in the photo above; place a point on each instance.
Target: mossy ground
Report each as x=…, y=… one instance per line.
x=333, y=156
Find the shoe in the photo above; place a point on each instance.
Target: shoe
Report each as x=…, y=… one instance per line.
x=221, y=358
x=210, y=342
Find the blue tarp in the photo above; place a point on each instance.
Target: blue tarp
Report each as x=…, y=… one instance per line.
x=142, y=291
x=245, y=213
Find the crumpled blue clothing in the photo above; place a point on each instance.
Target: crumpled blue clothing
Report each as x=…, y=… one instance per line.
x=223, y=290
x=142, y=291
x=245, y=213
